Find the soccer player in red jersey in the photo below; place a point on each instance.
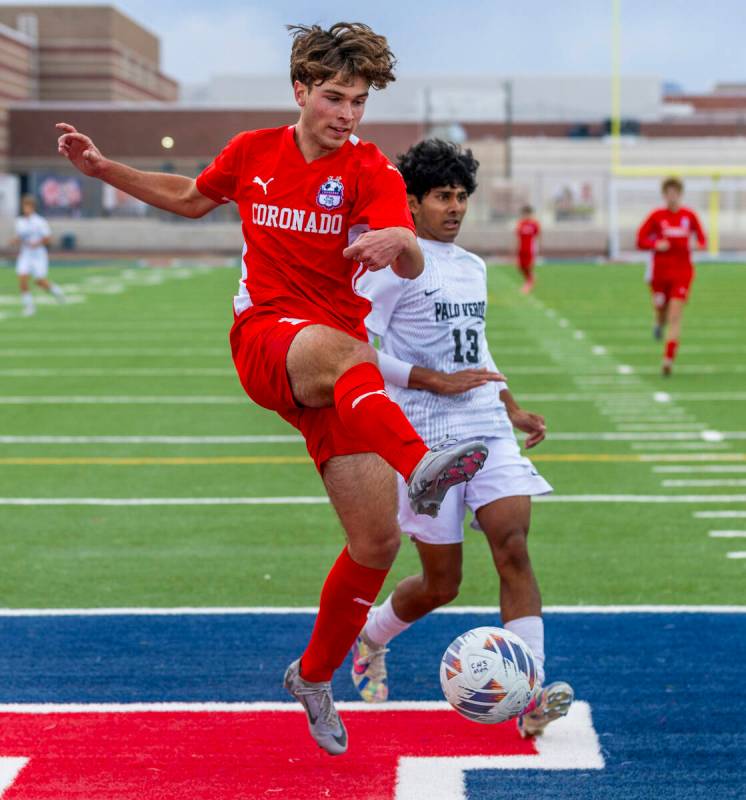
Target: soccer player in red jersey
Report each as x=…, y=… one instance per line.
x=318, y=207
x=527, y=232
x=668, y=233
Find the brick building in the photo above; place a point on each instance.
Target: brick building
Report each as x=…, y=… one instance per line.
x=76, y=53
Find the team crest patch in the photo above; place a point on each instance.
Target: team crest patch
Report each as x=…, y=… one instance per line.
x=331, y=193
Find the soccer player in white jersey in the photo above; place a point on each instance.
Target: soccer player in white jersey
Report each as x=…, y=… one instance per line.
x=32, y=237
x=438, y=367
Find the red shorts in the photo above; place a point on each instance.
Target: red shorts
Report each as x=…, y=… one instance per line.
x=670, y=285
x=525, y=259
x=260, y=340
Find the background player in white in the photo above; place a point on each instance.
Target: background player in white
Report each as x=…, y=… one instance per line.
x=432, y=337
x=33, y=235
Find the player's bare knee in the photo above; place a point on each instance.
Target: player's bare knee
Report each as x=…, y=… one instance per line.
x=356, y=353
x=380, y=548
x=443, y=592
x=511, y=554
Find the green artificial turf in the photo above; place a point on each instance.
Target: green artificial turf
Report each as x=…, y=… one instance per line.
x=578, y=351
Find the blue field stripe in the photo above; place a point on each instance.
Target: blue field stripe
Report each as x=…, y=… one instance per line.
x=666, y=690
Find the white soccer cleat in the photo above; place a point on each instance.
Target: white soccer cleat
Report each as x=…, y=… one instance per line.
x=324, y=723
x=552, y=702
x=369, y=671
x=439, y=470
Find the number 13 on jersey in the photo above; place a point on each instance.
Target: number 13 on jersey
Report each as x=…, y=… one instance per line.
x=468, y=339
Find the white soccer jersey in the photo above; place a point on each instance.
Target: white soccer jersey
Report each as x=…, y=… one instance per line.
x=438, y=321
x=31, y=229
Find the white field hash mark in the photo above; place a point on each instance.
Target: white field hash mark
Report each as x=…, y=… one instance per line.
x=720, y=514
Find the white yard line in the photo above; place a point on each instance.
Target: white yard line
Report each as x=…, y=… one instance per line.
x=322, y=500
x=626, y=401
x=690, y=349
x=720, y=514
x=660, y=435
x=170, y=400
x=175, y=440
x=661, y=426
x=700, y=469
x=133, y=372
x=736, y=554
x=727, y=534
x=706, y=445
x=91, y=352
x=449, y=610
x=705, y=482
x=163, y=501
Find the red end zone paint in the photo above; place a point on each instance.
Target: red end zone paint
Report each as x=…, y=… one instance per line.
x=231, y=756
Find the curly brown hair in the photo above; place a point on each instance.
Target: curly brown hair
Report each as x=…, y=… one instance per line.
x=347, y=49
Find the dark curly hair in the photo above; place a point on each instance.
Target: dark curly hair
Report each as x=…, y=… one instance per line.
x=347, y=49
x=433, y=162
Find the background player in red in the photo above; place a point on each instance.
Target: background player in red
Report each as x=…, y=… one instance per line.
x=318, y=206
x=668, y=233
x=527, y=232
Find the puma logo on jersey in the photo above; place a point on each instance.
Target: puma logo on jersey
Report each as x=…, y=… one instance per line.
x=262, y=183
x=367, y=394
x=292, y=320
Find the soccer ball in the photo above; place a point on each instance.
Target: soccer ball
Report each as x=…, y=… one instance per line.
x=488, y=675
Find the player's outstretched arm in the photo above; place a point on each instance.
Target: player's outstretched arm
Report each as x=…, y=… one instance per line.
x=395, y=247
x=409, y=376
x=175, y=193
x=464, y=380
x=528, y=422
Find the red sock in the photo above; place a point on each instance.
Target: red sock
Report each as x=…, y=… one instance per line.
x=349, y=591
x=369, y=414
x=671, y=347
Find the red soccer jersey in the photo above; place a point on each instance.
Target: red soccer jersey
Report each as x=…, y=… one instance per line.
x=527, y=230
x=677, y=228
x=297, y=218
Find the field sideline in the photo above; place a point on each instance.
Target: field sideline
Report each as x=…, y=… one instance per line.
x=126, y=396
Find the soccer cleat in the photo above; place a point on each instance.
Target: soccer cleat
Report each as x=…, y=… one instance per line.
x=324, y=723
x=552, y=702
x=440, y=469
x=369, y=670
x=666, y=369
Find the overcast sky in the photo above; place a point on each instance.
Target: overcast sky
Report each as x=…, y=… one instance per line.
x=691, y=42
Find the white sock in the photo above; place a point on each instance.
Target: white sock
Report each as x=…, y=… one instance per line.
x=28, y=300
x=383, y=624
x=531, y=630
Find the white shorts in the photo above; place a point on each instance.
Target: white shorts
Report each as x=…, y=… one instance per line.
x=506, y=473
x=33, y=262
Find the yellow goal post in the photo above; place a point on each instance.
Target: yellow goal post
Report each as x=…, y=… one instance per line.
x=715, y=174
